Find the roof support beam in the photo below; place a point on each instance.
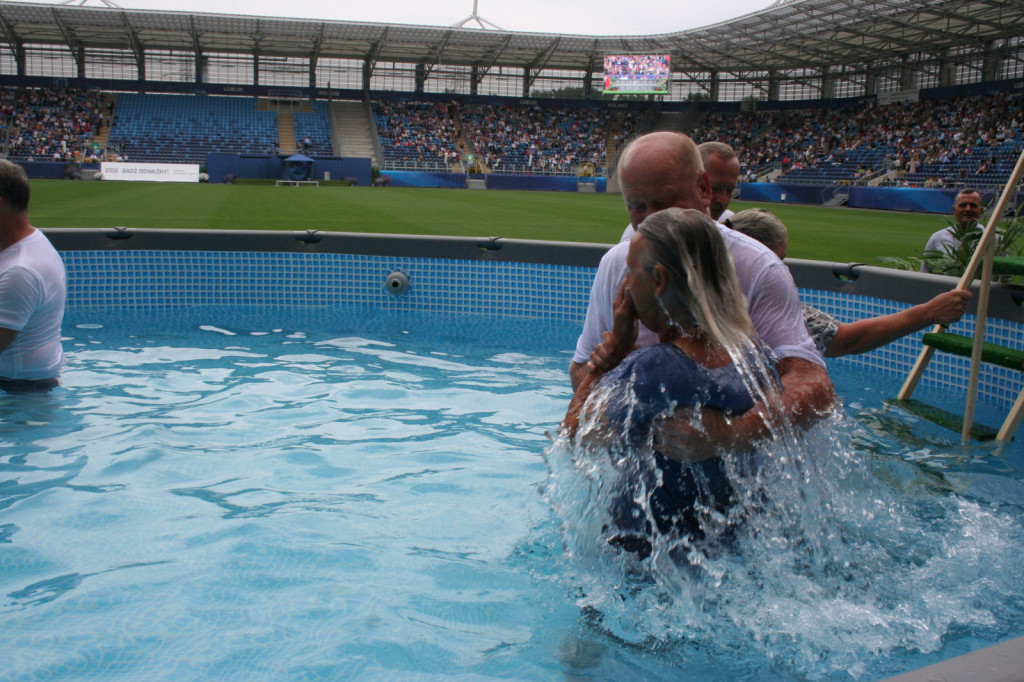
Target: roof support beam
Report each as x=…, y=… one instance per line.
x=537, y=65
x=752, y=66
x=314, y=55
x=136, y=45
x=973, y=19
x=256, y=53
x=15, y=43
x=197, y=49
x=795, y=39
x=482, y=71
x=72, y=43
x=370, y=63
x=432, y=59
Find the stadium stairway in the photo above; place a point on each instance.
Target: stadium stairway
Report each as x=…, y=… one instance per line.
x=884, y=177
x=835, y=196
x=611, y=141
x=353, y=132
x=108, y=104
x=286, y=133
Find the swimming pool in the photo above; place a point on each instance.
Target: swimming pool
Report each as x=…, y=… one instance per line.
x=266, y=466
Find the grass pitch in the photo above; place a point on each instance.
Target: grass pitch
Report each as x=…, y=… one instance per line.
x=828, y=234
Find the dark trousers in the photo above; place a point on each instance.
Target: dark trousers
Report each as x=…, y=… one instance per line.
x=27, y=385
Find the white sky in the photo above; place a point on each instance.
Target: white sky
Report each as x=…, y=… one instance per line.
x=583, y=17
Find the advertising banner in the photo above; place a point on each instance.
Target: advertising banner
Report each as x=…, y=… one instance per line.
x=150, y=172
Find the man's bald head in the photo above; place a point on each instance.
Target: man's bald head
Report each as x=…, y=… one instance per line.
x=662, y=170
x=720, y=149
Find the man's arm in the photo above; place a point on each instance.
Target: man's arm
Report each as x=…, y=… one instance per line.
x=776, y=311
x=806, y=396
x=19, y=294
x=806, y=393
x=615, y=345
x=600, y=309
x=572, y=416
x=577, y=372
x=601, y=315
x=873, y=332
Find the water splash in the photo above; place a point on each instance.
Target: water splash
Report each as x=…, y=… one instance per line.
x=821, y=567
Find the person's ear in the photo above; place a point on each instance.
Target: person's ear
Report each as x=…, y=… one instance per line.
x=659, y=277
x=704, y=189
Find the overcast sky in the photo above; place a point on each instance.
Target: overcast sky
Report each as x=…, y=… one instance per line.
x=585, y=17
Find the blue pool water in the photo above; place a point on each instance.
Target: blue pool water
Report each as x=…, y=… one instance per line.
x=311, y=495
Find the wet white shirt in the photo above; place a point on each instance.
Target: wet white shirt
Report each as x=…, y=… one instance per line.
x=33, y=289
x=764, y=280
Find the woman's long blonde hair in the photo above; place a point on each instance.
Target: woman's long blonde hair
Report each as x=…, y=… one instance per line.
x=702, y=280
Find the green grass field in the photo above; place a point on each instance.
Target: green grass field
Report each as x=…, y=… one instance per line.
x=828, y=234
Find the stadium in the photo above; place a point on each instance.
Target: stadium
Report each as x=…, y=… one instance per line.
x=190, y=346
x=830, y=104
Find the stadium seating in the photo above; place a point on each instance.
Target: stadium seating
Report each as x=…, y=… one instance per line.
x=415, y=134
x=944, y=142
x=963, y=141
x=49, y=123
x=514, y=138
x=185, y=128
x=314, y=125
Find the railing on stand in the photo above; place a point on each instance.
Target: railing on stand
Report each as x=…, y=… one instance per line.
x=835, y=195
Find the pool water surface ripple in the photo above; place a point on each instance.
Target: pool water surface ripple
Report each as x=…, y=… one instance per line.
x=233, y=495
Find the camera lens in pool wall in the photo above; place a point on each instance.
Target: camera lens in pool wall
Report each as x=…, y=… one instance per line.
x=397, y=283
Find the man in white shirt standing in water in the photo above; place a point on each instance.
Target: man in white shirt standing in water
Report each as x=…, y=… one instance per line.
x=33, y=289
x=662, y=170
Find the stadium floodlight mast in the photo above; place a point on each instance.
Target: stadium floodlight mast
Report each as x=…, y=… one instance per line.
x=481, y=22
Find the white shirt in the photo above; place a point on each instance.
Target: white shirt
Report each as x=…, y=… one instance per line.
x=33, y=288
x=764, y=280
x=939, y=241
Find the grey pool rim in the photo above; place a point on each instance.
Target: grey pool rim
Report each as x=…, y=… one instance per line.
x=844, y=278
x=1000, y=662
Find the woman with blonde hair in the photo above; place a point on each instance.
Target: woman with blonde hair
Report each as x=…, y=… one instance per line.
x=680, y=284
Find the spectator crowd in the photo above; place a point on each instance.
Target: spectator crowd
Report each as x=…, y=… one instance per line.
x=499, y=138
x=929, y=143
x=56, y=124
x=974, y=140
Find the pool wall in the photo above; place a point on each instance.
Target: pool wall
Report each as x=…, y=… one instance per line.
x=125, y=269
x=154, y=269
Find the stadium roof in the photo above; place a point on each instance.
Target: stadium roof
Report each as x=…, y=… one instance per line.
x=790, y=35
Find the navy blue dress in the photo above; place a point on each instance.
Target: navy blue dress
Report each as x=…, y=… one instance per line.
x=648, y=384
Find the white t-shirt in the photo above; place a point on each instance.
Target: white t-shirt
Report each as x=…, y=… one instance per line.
x=939, y=241
x=764, y=280
x=33, y=288
x=627, y=234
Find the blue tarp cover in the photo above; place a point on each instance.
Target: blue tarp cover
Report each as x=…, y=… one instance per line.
x=297, y=167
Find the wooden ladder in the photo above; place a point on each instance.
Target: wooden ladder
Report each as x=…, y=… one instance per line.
x=976, y=347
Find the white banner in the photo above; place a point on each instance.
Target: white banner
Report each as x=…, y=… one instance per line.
x=150, y=172
x=885, y=98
